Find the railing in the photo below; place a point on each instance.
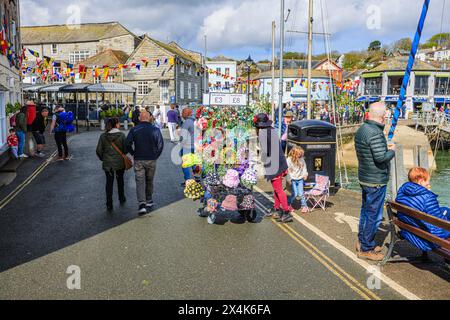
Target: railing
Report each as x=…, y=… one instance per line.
x=434, y=119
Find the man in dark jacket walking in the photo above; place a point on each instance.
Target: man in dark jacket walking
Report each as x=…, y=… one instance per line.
x=145, y=143
x=374, y=157
x=38, y=127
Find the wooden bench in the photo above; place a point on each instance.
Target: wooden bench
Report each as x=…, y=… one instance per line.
x=393, y=208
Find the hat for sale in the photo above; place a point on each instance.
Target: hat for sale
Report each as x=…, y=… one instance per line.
x=230, y=203
x=249, y=178
x=193, y=190
x=261, y=120
x=231, y=178
x=248, y=203
x=212, y=205
x=212, y=179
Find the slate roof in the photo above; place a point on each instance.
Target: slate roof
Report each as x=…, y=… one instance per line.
x=400, y=63
x=108, y=57
x=86, y=32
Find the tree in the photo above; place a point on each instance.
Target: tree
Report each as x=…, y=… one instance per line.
x=375, y=46
x=403, y=44
x=438, y=40
x=354, y=60
x=294, y=55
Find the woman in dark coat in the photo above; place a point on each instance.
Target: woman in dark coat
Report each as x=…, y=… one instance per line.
x=275, y=166
x=113, y=163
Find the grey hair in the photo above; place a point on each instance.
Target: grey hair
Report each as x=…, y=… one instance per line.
x=377, y=110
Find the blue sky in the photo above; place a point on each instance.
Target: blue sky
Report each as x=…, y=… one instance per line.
x=237, y=28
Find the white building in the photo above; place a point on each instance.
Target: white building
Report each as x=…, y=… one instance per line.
x=295, y=85
x=222, y=75
x=10, y=84
x=442, y=55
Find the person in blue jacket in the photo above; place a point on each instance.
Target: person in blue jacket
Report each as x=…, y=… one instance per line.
x=417, y=194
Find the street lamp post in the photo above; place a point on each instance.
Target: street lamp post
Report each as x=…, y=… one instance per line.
x=248, y=63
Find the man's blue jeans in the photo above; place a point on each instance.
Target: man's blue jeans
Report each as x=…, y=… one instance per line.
x=21, y=137
x=371, y=215
x=297, y=191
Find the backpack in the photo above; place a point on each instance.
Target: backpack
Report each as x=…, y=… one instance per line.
x=64, y=122
x=12, y=121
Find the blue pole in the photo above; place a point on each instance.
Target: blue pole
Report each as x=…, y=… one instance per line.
x=412, y=56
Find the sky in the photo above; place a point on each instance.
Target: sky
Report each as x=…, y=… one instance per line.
x=237, y=28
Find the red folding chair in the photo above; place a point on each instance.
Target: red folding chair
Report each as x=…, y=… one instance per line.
x=320, y=192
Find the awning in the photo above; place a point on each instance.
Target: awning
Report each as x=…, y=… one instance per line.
x=34, y=88
x=442, y=75
x=420, y=99
x=111, y=87
x=391, y=99
x=75, y=87
x=395, y=73
x=53, y=87
x=361, y=99
x=441, y=100
x=372, y=75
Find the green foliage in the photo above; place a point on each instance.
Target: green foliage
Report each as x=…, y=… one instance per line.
x=294, y=55
x=10, y=108
x=403, y=44
x=438, y=40
x=375, y=46
x=263, y=106
x=111, y=113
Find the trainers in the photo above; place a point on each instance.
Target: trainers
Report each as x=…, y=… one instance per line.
x=23, y=156
x=305, y=210
x=370, y=255
x=377, y=249
x=149, y=204
x=272, y=213
x=142, y=209
x=40, y=154
x=286, y=218
x=60, y=159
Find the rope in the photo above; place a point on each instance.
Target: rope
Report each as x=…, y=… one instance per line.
x=339, y=140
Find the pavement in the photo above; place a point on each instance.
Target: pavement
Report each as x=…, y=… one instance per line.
x=58, y=220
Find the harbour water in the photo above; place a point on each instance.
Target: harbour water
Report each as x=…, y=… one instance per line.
x=440, y=180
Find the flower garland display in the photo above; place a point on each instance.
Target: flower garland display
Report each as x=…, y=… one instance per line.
x=228, y=156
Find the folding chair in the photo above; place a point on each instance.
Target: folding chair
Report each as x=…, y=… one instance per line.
x=320, y=192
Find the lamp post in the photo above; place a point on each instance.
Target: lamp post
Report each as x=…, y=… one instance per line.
x=248, y=63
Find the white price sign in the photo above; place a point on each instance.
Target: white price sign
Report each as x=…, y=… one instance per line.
x=225, y=99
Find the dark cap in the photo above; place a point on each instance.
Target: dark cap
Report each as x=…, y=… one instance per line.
x=261, y=120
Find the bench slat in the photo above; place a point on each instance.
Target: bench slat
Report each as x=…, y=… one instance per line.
x=442, y=253
x=420, y=215
x=423, y=234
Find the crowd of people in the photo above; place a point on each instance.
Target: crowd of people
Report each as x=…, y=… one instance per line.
x=145, y=143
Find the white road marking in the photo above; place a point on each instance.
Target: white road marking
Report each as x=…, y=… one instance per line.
x=388, y=281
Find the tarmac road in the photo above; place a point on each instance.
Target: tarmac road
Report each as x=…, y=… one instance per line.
x=59, y=220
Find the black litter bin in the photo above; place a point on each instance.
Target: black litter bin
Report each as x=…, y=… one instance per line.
x=318, y=139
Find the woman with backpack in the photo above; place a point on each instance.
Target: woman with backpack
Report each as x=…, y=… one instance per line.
x=60, y=127
x=110, y=150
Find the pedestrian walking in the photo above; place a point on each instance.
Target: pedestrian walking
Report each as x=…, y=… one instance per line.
x=21, y=130
x=110, y=150
x=157, y=117
x=275, y=166
x=61, y=124
x=145, y=143
x=374, y=157
x=38, y=128
x=135, y=115
x=187, y=141
x=172, y=123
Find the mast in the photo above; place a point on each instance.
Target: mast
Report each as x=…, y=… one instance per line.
x=281, y=86
x=310, y=43
x=272, y=94
x=412, y=56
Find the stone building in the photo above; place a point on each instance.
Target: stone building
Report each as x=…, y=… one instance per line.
x=10, y=61
x=171, y=75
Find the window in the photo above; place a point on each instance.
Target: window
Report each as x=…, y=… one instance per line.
x=142, y=88
x=54, y=48
x=164, y=91
x=189, y=88
x=373, y=86
x=218, y=70
x=97, y=79
x=421, y=86
x=189, y=70
x=181, y=90
x=227, y=85
x=288, y=86
x=110, y=79
x=218, y=84
x=394, y=85
x=77, y=56
x=227, y=71
x=181, y=67
x=442, y=86
x=196, y=91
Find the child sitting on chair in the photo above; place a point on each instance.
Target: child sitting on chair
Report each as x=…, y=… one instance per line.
x=298, y=173
x=417, y=194
x=13, y=143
